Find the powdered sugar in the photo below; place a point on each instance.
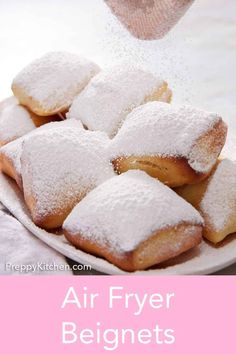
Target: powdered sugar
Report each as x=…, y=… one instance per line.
x=59, y=166
x=15, y=121
x=111, y=95
x=158, y=128
x=55, y=79
x=13, y=150
x=126, y=210
x=219, y=201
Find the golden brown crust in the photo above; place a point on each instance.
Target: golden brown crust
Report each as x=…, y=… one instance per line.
x=162, y=93
x=216, y=236
x=170, y=170
x=51, y=220
x=159, y=247
x=7, y=166
x=177, y=171
x=38, y=114
x=3, y=142
x=194, y=194
x=40, y=120
x=34, y=105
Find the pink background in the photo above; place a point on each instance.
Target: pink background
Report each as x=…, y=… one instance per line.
x=202, y=314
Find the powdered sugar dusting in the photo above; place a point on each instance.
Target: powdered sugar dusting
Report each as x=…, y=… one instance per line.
x=219, y=201
x=55, y=79
x=60, y=166
x=15, y=121
x=111, y=95
x=126, y=210
x=158, y=128
x=13, y=150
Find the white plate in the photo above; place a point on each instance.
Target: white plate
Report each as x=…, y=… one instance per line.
x=204, y=259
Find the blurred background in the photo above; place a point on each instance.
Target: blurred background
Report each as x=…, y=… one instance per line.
x=197, y=57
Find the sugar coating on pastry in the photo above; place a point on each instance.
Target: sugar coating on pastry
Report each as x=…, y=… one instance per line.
x=219, y=201
x=126, y=210
x=59, y=166
x=15, y=121
x=49, y=84
x=161, y=129
x=113, y=93
x=10, y=154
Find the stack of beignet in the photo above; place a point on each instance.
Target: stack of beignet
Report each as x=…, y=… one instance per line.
x=75, y=173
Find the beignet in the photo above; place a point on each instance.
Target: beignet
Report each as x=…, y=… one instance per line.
x=16, y=120
x=49, y=84
x=134, y=221
x=177, y=145
x=58, y=168
x=10, y=154
x=215, y=198
x=113, y=93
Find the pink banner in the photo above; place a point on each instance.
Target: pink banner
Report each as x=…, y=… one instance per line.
x=91, y=315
